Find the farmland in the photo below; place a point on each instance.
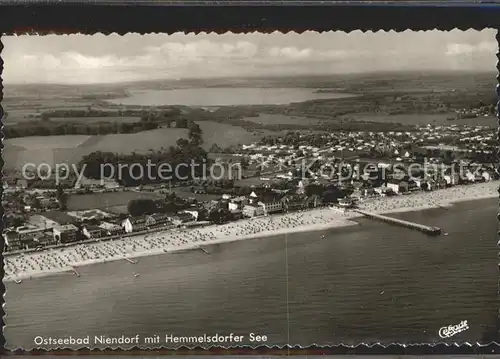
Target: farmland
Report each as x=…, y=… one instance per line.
x=272, y=119
x=71, y=148
x=382, y=100
x=226, y=135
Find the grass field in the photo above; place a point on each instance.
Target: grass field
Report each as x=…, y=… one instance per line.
x=271, y=119
x=47, y=142
x=70, y=149
x=105, y=201
x=95, y=119
x=227, y=135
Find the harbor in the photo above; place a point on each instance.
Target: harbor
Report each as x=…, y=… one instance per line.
x=430, y=230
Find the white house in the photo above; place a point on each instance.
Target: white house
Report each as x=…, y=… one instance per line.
x=135, y=224
x=398, y=187
x=486, y=175
x=93, y=231
x=452, y=179
x=65, y=233
x=252, y=210
x=195, y=214
x=470, y=176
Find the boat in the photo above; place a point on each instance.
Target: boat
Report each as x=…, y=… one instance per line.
x=18, y=281
x=323, y=236
x=136, y=275
x=445, y=234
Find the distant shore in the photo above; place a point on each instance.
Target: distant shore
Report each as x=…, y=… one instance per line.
x=60, y=260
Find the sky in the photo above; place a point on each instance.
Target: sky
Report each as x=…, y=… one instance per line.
x=83, y=59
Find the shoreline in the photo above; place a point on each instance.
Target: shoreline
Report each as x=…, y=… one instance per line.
x=65, y=260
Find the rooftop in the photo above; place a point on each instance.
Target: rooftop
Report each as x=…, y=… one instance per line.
x=66, y=227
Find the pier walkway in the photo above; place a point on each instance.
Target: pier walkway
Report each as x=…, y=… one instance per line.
x=420, y=227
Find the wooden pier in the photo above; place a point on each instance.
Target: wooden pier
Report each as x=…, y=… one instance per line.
x=74, y=271
x=412, y=225
x=130, y=260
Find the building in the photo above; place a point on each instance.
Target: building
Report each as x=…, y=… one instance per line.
x=270, y=207
x=292, y=202
x=110, y=229
x=92, y=231
x=452, y=179
x=46, y=239
x=398, y=187
x=12, y=242
x=252, y=210
x=90, y=215
x=157, y=219
x=65, y=233
x=237, y=203
x=27, y=237
x=252, y=197
x=313, y=201
x=236, y=214
x=27, y=233
x=193, y=214
x=184, y=217
x=132, y=224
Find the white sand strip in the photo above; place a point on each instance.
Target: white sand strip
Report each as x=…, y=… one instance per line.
x=49, y=262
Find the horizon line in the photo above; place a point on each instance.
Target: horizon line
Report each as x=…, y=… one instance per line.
x=423, y=71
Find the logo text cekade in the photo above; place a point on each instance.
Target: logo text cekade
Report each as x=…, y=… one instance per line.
x=154, y=339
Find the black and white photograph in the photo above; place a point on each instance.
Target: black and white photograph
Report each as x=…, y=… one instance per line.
x=229, y=190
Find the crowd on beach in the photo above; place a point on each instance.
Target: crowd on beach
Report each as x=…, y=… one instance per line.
x=432, y=199
x=64, y=259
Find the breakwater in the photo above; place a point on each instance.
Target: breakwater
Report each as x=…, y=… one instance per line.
x=420, y=227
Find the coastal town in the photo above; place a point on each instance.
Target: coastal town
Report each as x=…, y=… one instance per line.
x=323, y=188
x=299, y=181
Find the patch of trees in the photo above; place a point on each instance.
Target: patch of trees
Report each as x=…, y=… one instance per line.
x=296, y=139
x=219, y=215
x=179, y=163
x=148, y=121
x=48, y=128
x=90, y=112
x=62, y=198
x=143, y=206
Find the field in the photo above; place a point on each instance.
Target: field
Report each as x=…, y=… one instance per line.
x=377, y=93
x=70, y=149
x=48, y=142
x=105, y=201
x=95, y=119
x=271, y=119
x=227, y=135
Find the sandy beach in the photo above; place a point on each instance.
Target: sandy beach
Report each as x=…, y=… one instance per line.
x=59, y=260
x=425, y=200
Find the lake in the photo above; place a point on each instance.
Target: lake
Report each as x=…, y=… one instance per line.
x=224, y=96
